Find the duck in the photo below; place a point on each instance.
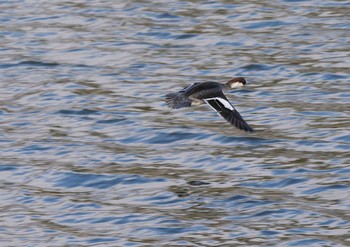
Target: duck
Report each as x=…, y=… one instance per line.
x=212, y=94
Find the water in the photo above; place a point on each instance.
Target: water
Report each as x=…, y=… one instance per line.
x=91, y=155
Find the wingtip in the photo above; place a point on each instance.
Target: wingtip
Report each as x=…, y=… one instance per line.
x=176, y=101
x=245, y=128
x=250, y=130
x=169, y=102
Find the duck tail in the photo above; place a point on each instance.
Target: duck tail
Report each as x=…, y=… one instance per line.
x=177, y=100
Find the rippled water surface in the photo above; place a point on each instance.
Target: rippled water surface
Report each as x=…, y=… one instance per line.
x=91, y=156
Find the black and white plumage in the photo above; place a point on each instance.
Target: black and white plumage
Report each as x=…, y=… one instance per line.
x=212, y=94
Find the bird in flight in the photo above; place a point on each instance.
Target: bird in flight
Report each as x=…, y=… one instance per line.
x=212, y=94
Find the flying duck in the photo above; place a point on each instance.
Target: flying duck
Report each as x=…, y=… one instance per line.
x=212, y=94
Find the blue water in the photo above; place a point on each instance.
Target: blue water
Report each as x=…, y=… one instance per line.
x=91, y=156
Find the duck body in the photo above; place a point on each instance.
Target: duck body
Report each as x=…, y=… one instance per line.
x=193, y=95
x=210, y=93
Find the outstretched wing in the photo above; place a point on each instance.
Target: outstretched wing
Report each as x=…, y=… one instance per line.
x=222, y=106
x=184, y=90
x=179, y=99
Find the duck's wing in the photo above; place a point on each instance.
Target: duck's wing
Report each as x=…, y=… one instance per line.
x=222, y=106
x=188, y=88
x=179, y=99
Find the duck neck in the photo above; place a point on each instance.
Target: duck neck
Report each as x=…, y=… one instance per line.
x=225, y=87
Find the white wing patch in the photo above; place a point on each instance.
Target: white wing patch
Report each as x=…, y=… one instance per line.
x=225, y=103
